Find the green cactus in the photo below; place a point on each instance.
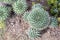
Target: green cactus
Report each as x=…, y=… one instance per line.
x=4, y=12
x=53, y=11
x=25, y=16
x=54, y=22
x=8, y=1
x=37, y=6
x=39, y=18
x=19, y=7
x=33, y=33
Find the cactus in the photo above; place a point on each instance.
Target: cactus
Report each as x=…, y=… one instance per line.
x=54, y=22
x=4, y=12
x=33, y=33
x=39, y=18
x=37, y=6
x=19, y=7
x=25, y=16
x=8, y=1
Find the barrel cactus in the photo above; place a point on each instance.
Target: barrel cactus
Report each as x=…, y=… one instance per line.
x=20, y=7
x=33, y=33
x=39, y=18
x=4, y=12
x=54, y=22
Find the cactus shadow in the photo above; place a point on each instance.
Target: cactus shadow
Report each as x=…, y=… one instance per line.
x=43, y=32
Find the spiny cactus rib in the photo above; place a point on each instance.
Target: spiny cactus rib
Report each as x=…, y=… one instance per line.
x=8, y=1
x=25, y=16
x=39, y=18
x=4, y=12
x=37, y=6
x=54, y=22
x=19, y=7
x=33, y=33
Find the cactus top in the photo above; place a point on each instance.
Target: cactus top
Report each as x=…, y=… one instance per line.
x=39, y=18
x=4, y=11
x=20, y=7
x=33, y=33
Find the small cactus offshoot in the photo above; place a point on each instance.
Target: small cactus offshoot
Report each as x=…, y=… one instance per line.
x=54, y=22
x=4, y=12
x=19, y=7
x=38, y=19
x=33, y=33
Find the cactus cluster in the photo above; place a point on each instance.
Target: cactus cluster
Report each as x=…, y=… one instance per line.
x=20, y=7
x=38, y=19
x=7, y=6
